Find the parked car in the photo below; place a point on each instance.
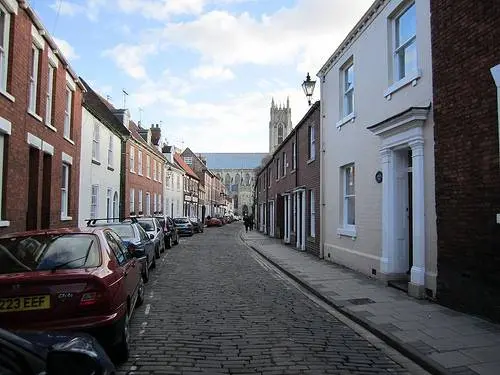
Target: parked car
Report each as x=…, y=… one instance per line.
x=213, y=222
x=171, y=235
x=135, y=238
x=52, y=353
x=197, y=224
x=155, y=231
x=184, y=226
x=70, y=280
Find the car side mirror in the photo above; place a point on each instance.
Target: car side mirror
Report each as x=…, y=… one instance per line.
x=158, y=229
x=151, y=236
x=60, y=362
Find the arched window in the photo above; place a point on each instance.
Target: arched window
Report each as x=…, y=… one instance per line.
x=280, y=134
x=247, y=179
x=237, y=179
x=227, y=179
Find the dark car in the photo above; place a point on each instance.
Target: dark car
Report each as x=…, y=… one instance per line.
x=153, y=228
x=137, y=241
x=184, y=226
x=197, y=224
x=169, y=230
x=70, y=280
x=52, y=353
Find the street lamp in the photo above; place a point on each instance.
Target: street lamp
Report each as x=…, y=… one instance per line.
x=308, y=87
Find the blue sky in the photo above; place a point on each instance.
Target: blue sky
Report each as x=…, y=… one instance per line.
x=206, y=70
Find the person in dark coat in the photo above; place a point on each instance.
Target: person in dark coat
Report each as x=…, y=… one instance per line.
x=246, y=222
x=250, y=219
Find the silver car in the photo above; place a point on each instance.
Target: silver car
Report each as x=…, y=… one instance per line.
x=153, y=228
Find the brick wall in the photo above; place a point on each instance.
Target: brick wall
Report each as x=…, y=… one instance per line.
x=465, y=45
x=17, y=150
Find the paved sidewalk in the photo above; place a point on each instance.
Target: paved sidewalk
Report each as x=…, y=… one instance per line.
x=441, y=340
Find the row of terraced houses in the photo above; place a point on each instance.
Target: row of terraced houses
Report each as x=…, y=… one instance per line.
x=394, y=172
x=68, y=155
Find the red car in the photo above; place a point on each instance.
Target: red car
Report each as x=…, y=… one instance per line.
x=72, y=280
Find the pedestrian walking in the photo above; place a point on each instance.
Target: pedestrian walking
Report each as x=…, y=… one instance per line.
x=246, y=222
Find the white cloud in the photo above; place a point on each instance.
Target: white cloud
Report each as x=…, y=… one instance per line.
x=161, y=9
x=67, y=49
x=131, y=58
x=212, y=72
x=90, y=8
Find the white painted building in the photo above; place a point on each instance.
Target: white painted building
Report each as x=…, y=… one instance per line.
x=377, y=174
x=100, y=161
x=173, y=186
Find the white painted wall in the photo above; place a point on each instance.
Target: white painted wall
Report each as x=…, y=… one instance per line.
x=93, y=174
x=172, y=193
x=353, y=143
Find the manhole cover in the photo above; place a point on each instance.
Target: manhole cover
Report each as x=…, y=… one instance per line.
x=360, y=301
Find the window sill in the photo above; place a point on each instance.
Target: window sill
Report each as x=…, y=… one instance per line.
x=96, y=162
x=139, y=174
x=35, y=116
x=4, y=223
x=8, y=96
x=149, y=178
x=111, y=169
x=69, y=140
x=347, y=232
x=349, y=118
x=51, y=127
x=402, y=83
x=293, y=171
x=66, y=218
x=310, y=161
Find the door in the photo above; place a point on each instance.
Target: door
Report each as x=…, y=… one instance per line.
x=33, y=174
x=410, y=212
x=46, y=189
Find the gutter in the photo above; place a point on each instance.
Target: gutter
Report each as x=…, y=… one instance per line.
x=495, y=72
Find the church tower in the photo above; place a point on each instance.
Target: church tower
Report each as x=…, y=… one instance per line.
x=280, y=124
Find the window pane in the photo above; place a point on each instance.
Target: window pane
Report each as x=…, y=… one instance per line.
x=349, y=78
x=2, y=28
x=410, y=58
x=349, y=181
x=406, y=26
x=350, y=201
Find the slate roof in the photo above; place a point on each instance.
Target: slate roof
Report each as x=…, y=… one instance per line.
x=228, y=160
x=97, y=106
x=179, y=160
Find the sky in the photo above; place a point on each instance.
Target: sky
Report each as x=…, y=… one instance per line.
x=204, y=70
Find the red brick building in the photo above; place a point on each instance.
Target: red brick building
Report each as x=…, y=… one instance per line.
x=465, y=46
x=40, y=124
x=288, y=187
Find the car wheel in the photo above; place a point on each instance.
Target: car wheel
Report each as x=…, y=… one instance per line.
x=168, y=242
x=123, y=347
x=157, y=252
x=145, y=272
x=153, y=263
x=176, y=241
x=140, y=293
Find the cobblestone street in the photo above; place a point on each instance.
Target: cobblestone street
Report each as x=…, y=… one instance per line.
x=212, y=308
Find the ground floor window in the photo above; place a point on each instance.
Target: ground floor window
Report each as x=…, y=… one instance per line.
x=94, y=198
x=65, y=175
x=349, y=196
x=312, y=210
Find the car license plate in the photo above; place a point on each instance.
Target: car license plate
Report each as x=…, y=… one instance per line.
x=24, y=303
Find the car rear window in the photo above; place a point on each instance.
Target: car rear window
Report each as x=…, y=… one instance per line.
x=46, y=252
x=146, y=224
x=181, y=220
x=123, y=230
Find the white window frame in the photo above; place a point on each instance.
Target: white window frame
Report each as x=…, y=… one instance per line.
x=347, y=228
x=96, y=141
x=110, y=150
x=160, y=203
x=400, y=47
x=33, y=79
x=284, y=164
x=294, y=156
x=154, y=170
x=132, y=200
x=94, y=201
x=65, y=190
x=4, y=50
x=139, y=162
x=188, y=160
x=68, y=113
x=109, y=204
x=155, y=202
x=50, y=94
x=312, y=211
x=148, y=166
x=140, y=208
x=348, y=90
x=312, y=143
x=278, y=169
x=159, y=173
x=132, y=159
x=148, y=204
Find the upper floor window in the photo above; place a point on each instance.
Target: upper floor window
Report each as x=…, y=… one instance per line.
x=110, y=150
x=312, y=143
x=34, y=69
x=284, y=163
x=148, y=166
x=188, y=160
x=348, y=89
x=95, y=142
x=139, y=162
x=68, y=113
x=294, y=156
x=278, y=168
x=154, y=169
x=405, y=43
x=49, y=107
x=132, y=159
x=4, y=46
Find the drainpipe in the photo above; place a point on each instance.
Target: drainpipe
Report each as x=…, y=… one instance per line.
x=495, y=72
x=322, y=115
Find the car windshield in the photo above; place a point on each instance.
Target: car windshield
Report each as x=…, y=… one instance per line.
x=147, y=224
x=45, y=252
x=123, y=230
x=181, y=220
